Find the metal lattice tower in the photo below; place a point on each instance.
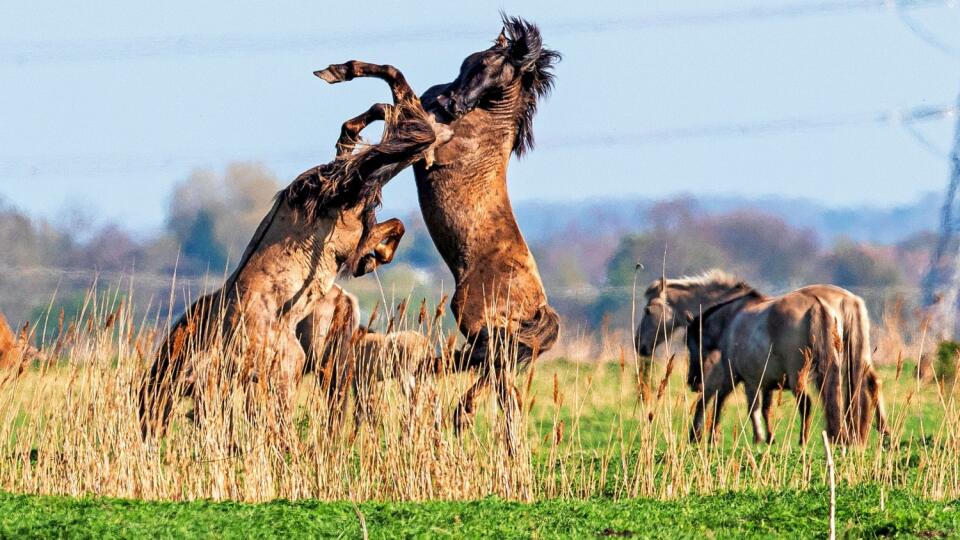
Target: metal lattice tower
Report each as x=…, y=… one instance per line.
x=941, y=283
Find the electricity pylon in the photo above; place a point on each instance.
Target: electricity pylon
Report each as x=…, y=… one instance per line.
x=940, y=285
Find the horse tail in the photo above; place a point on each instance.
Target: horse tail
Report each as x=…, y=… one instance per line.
x=825, y=347
x=534, y=336
x=339, y=354
x=862, y=385
x=164, y=380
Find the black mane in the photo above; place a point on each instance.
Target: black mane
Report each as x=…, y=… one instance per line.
x=358, y=178
x=536, y=65
x=748, y=292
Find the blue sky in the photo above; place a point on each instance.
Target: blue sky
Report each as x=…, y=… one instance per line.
x=107, y=104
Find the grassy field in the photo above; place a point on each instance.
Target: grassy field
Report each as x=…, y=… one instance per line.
x=603, y=455
x=744, y=514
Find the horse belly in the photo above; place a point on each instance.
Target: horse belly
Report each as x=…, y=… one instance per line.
x=753, y=355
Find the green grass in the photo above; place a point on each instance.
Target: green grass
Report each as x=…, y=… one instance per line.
x=727, y=515
x=607, y=395
x=593, y=397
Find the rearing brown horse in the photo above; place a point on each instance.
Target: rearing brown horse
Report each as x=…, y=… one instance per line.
x=490, y=107
x=499, y=302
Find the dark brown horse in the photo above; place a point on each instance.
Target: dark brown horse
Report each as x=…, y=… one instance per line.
x=322, y=224
x=463, y=196
x=500, y=303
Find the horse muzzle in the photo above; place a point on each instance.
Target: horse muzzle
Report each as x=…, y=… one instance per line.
x=453, y=106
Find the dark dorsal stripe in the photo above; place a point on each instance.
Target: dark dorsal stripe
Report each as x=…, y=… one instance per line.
x=749, y=293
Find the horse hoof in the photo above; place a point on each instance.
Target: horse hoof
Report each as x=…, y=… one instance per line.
x=333, y=74
x=368, y=263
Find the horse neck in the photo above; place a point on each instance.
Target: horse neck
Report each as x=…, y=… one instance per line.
x=482, y=142
x=464, y=194
x=698, y=299
x=285, y=249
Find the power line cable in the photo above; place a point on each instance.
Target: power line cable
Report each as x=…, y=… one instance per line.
x=80, y=50
x=924, y=34
x=115, y=164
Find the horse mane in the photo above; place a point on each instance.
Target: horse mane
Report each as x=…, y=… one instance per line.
x=749, y=292
x=358, y=178
x=713, y=278
x=536, y=65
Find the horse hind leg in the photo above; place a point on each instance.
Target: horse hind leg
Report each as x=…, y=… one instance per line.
x=754, y=412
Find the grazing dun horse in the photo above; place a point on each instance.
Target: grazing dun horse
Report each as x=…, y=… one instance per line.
x=672, y=303
x=766, y=343
x=322, y=224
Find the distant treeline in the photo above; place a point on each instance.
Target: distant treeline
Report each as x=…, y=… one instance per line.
x=587, y=253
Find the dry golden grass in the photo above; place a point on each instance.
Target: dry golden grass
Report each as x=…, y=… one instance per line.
x=590, y=428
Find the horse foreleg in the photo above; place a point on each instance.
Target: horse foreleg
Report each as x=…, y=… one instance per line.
x=350, y=130
x=696, y=428
x=348, y=71
x=717, y=386
x=753, y=411
x=804, y=405
x=767, y=404
x=507, y=399
x=831, y=391
x=720, y=398
x=464, y=414
x=876, y=394
x=379, y=246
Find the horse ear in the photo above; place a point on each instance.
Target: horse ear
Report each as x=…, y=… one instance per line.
x=502, y=41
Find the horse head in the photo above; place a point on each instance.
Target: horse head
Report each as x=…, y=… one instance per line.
x=517, y=67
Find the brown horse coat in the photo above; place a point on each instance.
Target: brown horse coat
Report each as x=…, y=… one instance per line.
x=766, y=343
x=13, y=348
x=671, y=303
x=322, y=223
x=466, y=207
x=462, y=189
